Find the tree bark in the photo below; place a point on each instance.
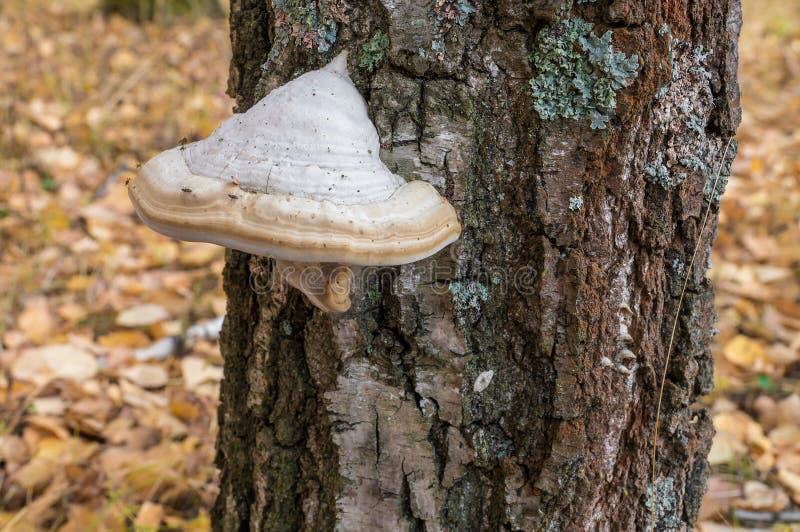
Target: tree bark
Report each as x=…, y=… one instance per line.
x=510, y=382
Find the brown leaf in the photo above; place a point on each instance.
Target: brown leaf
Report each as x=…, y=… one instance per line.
x=55, y=361
x=759, y=496
x=13, y=452
x=147, y=376
x=37, y=321
x=792, y=481
x=726, y=447
x=184, y=409
x=49, y=425
x=142, y=316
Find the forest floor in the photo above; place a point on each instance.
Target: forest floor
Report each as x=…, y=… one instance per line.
x=101, y=431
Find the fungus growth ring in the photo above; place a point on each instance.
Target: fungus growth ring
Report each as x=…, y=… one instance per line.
x=297, y=177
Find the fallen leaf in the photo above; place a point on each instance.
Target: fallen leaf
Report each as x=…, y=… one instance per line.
x=13, y=451
x=60, y=360
x=759, y=496
x=48, y=406
x=744, y=428
x=14, y=339
x=720, y=497
x=51, y=425
x=725, y=447
x=196, y=371
x=57, y=159
x=136, y=438
x=80, y=519
x=168, y=424
x=744, y=351
x=132, y=339
x=147, y=376
x=785, y=436
x=184, y=409
x=149, y=516
x=34, y=475
x=195, y=254
x=789, y=410
x=47, y=115
x=135, y=396
x=36, y=321
x=142, y=316
x=201, y=523
x=791, y=481
x=767, y=410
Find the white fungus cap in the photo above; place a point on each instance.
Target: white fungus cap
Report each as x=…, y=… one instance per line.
x=297, y=177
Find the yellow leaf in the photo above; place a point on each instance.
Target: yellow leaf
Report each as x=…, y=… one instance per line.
x=195, y=254
x=54, y=218
x=744, y=351
x=124, y=339
x=744, y=428
x=183, y=409
x=78, y=283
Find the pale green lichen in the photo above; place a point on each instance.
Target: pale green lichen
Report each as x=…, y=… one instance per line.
x=681, y=111
x=468, y=295
x=700, y=55
x=715, y=185
x=694, y=163
x=666, y=507
x=311, y=23
x=575, y=203
x=490, y=445
x=374, y=51
x=578, y=73
x=446, y=14
x=658, y=173
x=696, y=124
x=678, y=266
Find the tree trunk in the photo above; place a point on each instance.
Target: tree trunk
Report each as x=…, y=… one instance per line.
x=510, y=382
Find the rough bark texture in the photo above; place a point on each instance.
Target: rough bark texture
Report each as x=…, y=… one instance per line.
x=372, y=420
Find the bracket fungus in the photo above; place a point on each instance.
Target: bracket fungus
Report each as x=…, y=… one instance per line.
x=297, y=177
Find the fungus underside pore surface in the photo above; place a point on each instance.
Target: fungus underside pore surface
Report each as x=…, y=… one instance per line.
x=578, y=73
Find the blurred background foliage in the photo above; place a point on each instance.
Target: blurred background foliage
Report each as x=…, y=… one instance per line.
x=164, y=11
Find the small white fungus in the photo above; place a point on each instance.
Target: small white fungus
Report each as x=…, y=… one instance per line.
x=483, y=380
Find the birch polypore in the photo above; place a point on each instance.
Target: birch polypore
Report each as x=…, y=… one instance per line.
x=297, y=177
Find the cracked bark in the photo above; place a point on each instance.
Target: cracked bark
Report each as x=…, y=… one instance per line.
x=370, y=420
